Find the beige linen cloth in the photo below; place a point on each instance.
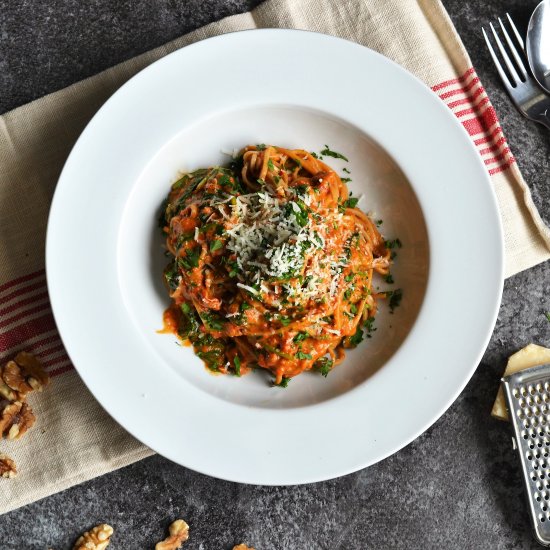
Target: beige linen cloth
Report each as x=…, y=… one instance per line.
x=74, y=439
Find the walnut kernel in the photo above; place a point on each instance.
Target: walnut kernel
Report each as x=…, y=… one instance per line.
x=15, y=419
x=7, y=466
x=21, y=376
x=97, y=538
x=35, y=374
x=179, y=533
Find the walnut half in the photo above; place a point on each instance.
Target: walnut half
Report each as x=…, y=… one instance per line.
x=21, y=376
x=97, y=538
x=15, y=419
x=179, y=533
x=7, y=466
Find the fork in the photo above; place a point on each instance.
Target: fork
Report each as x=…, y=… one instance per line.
x=526, y=94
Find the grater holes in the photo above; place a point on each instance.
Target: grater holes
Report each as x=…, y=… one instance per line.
x=538, y=387
x=530, y=402
x=538, y=399
x=523, y=391
x=531, y=389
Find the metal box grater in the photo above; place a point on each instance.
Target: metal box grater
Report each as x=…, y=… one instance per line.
x=528, y=398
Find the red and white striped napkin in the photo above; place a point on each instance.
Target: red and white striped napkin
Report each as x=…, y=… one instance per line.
x=74, y=438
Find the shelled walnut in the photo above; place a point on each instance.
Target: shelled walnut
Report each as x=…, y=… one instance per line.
x=179, y=533
x=15, y=419
x=21, y=376
x=7, y=466
x=97, y=538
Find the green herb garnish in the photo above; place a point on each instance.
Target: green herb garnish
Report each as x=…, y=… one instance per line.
x=395, y=297
x=284, y=382
x=357, y=338
x=323, y=365
x=395, y=243
x=329, y=153
x=351, y=202
x=215, y=245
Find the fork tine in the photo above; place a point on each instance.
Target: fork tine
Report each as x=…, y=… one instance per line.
x=515, y=54
x=503, y=76
x=507, y=61
x=516, y=33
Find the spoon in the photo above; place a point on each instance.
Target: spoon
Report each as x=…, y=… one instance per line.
x=538, y=44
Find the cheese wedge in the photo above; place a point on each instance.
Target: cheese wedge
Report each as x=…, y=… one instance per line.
x=530, y=356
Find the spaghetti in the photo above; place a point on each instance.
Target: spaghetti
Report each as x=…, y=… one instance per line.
x=272, y=264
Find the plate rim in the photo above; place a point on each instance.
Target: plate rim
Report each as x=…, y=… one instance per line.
x=56, y=200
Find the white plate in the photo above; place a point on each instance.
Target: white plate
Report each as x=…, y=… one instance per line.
x=418, y=171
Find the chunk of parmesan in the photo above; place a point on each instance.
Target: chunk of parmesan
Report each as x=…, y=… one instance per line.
x=530, y=356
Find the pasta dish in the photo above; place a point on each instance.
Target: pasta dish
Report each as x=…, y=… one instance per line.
x=272, y=264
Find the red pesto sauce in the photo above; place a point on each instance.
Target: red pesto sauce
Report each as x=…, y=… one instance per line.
x=170, y=326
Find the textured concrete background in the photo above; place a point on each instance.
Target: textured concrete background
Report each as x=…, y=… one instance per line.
x=456, y=487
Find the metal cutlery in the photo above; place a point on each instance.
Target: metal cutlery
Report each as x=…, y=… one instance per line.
x=524, y=91
x=538, y=44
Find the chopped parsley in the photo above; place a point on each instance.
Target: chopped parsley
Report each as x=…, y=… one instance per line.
x=395, y=243
x=346, y=170
x=300, y=213
x=329, y=153
x=300, y=337
x=212, y=321
x=215, y=245
x=191, y=259
x=270, y=165
x=357, y=338
x=302, y=355
x=395, y=297
x=323, y=365
x=351, y=202
x=284, y=382
x=369, y=326
x=346, y=180
x=389, y=279
x=237, y=363
x=172, y=277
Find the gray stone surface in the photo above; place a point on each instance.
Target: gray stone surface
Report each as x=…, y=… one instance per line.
x=456, y=487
